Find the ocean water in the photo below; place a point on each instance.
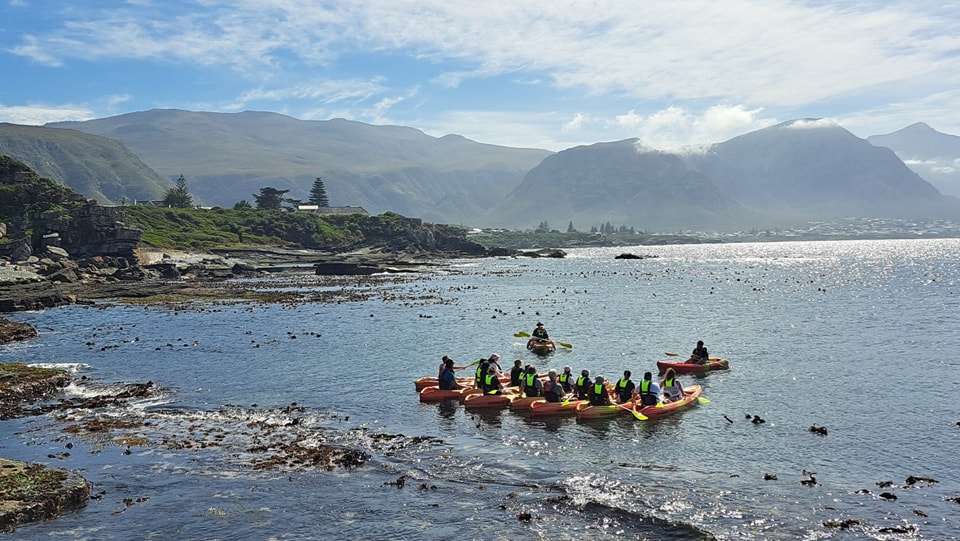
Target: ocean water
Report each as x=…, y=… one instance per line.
x=859, y=336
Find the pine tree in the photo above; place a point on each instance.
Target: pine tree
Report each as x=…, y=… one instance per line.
x=543, y=227
x=269, y=198
x=243, y=204
x=318, y=194
x=178, y=196
x=593, y=229
x=570, y=228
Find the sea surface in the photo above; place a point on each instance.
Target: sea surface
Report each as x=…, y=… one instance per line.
x=861, y=337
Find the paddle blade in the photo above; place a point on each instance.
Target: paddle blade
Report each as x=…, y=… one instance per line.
x=639, y=416
x=566, y=345
x=703, y=400
x=668, y=354
x=521, y=334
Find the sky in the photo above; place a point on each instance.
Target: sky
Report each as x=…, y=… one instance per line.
x=530, y=73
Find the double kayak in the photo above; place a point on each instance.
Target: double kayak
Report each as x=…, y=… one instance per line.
x=541, y=347
x=586, y=411
x=690, y=395
x=434, y=394
x=542, y=408
x=523, y=404
x=487, y=401
x=428, y=381
x=715, y=363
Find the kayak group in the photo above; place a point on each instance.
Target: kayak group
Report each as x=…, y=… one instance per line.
x=565, y=393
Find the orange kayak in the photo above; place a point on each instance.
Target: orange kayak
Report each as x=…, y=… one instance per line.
x=586, y=411
x=716, y=363
x=434, y=394
x=428, y=381
x=487, y=401
x=523, y=404
x=690, y=393
x=542, y=408
x=541, y=347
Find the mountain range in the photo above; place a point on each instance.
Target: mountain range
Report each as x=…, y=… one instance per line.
x=932, y=154
x=227, y=157
x=97, y=167
x=806, y=169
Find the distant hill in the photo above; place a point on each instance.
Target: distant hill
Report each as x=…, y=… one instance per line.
x=812, y=169
x=934, y=155
x=228, y=156
x=620, y=182
x=96, y=167
x=796, y=171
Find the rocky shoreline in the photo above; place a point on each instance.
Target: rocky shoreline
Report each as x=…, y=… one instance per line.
x=33, y=493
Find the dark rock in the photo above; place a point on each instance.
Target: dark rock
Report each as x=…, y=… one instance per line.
x=345, y=269
x=16, y=250
x=65, y=276
x=769, y=477
x=821, y=430
x=920, y=513
x=889, y=496
x=32, y=492
x=167, y=271
x=525, y=517
x=497, y=251
x=243, y=268
x=884, y=484
x=93, y=230
x=14, y=331
x=544, y=252
x=130, y=274
x=635, y=256
x=896, y=529
x=56, y=253
x=844, y=524
x=912, y=480
x=34, y=296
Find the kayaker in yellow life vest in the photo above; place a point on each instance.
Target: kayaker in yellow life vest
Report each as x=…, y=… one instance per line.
x=530, y=383
x=541, y=332
x=598, y=393
x=582, y=385
x=625, y=388
x=566, y=379
x=672, y=390
x=648, y=390
x=700, y=354
x=491, y=383
x=478, y=376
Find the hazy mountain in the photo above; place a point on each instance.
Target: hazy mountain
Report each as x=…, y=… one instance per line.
x=620, y=182
x=934, y=155
x=228, y=156
x=811, y=169
x=96, y=167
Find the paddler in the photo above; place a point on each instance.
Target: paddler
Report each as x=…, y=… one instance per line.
x=494, y=360
x=672, y=390
x=700, y=354
x=480, y=373
x=516, y=373
x=530, y=384
x=491, y=383
x=625, y=388
x=541, y=332
x=583, y=384
x=553, y=390
x=598, y=393
x=649, y=391
x=566, y=379
x=448, y=378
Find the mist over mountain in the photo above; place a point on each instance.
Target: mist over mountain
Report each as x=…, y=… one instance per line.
x=801, y=170
x=934, y=155
x=96, y=167
x=228, y=156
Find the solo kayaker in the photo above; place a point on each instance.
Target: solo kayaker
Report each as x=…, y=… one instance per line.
x=448, y=378
x=625, y=387
x=541, y=332
x=672, y=390
x=553, y=391
x=516, y=373
x=649, y=391
x=566, y=379
x=491, y=383
x=700, y=354
x=583, y=385
x=598, y=393
x=530, y=384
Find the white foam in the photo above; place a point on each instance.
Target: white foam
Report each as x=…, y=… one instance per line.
x=73, y=368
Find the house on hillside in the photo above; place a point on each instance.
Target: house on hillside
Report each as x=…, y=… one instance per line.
x=316, y=209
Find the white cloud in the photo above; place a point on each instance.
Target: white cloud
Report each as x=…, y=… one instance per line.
x=675, y=127
x=808, y=124
x=38, y=114
x=323, y=92
x=575, y=123
x=117, y=99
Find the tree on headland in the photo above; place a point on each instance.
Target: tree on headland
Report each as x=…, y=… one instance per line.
x=269, y=198
x=544, y=227
x=178, y=196
x=570, y=228
x=243, y=204
x=318, y=194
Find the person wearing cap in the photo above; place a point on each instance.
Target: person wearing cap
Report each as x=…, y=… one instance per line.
x=566, y=379
x=582, y=385
x=625, y=387
x=541, y=332
x=598, y=393
x=648, y=390
x=553, y=391
x=516, y=373
x=530, y=384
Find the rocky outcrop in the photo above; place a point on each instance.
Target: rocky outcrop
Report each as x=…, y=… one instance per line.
x=545, y=252
x=32, y=296
x=14, y=331
x=635, y=256
x=92, y=230
x=33, y=492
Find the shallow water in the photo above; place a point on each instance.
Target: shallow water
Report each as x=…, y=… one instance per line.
x=859, y=336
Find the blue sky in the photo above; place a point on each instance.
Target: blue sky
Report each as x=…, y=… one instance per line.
x=524, y=73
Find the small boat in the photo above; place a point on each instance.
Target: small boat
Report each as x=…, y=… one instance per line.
x=542, y=408
x=434, y=394
x=487, y=401
x=430, y=381
x=715, y=363
x=541, y=347
x=690, y=393
x=523, y=404
x=586, y=411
